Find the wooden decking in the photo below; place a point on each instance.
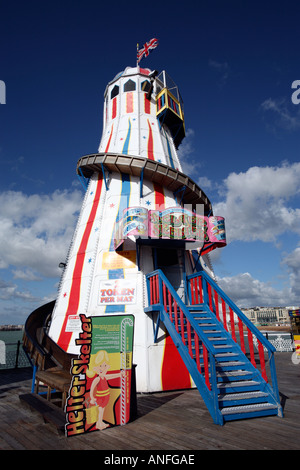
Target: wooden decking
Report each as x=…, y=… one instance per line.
x=170, y=421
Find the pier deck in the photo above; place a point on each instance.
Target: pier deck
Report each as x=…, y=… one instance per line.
x=171, y=421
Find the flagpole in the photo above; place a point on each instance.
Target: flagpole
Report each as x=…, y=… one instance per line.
x=137, y=62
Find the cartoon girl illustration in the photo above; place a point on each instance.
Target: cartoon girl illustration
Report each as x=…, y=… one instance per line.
x=100, y=391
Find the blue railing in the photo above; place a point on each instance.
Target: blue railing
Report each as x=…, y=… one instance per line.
x=196, y=351
x=202, y=290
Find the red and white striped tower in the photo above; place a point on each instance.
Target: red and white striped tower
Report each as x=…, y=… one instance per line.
x=136, y=170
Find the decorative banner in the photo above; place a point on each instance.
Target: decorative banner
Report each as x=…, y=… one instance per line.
x=133, y=223
x=117, y=292
x=174, y=223
x=99, y=395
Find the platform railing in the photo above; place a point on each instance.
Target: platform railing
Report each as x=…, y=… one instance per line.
x=13, y=356
x=202, y=290
x=196, y=351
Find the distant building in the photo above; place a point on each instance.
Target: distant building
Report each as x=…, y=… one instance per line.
x=267, y=315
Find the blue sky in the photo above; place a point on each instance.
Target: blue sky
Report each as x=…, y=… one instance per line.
x=234, y=63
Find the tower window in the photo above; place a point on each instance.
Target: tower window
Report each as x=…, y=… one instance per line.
x=114, y=91
x=145, y=86
x=129, y=85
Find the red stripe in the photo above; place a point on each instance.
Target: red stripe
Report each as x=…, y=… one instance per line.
x=65, y=336
x=129, y=102
x=150, y=143
x=114, y=108
x=108, y=143
x=159, y=196
x=147, y=104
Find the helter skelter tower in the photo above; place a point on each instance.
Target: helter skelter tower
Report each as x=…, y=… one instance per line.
x=136, y=177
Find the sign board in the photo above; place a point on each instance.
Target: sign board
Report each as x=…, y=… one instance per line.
x=173, y=223
x=99, y=395
x=119, y=259
x=117, y=292
x=295, y=322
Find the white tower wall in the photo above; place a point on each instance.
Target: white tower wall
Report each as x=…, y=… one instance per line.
x=94, y=270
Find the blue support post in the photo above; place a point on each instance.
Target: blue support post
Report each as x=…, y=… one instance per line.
x=33, y=379
x=141, y=182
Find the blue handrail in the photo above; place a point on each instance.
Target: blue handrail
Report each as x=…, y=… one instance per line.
x=270, y=348
x=210, y=396
x=234, y=307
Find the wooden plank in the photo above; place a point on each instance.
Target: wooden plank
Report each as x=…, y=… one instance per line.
x=50, y=412
x=175, y=420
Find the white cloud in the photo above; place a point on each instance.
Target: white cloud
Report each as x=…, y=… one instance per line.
x=292, y=261
x=205, y=183
x=286, y=116
x=25, y=275
x=10, y=291
x=36, y=231
x=257, y=203
x=185, y=152
x=262, y=204
x=246, y=291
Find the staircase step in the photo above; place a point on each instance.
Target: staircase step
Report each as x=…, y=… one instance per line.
x=225, y=347
x=227, y=376
x=242, y=392
x=217, y=338
x=212, y=332
x=231, y=387
x=247, y=398
x=260, y=409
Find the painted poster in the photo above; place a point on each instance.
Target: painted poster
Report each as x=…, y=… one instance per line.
x=99, y=395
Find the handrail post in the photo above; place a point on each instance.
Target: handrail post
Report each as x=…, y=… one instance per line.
x=214, y=388
x=205, y=293
x=17, y=354
x=160, y=289
x=273, y=375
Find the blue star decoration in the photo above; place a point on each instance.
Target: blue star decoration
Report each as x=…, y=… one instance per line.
x=148, y=203
x=90, y=260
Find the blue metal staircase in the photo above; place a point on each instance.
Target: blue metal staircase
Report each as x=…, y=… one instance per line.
x=232, y=381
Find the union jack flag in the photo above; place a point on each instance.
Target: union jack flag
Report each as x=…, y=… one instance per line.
x=148, y=47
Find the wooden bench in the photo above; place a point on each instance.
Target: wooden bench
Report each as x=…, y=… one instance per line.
x=55, y=379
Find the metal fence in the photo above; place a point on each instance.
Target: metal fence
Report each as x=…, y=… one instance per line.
x=12, y=356
x=283, y=342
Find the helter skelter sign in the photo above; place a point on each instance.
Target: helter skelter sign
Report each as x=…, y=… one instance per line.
x=173, y=223
x=99, y=395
